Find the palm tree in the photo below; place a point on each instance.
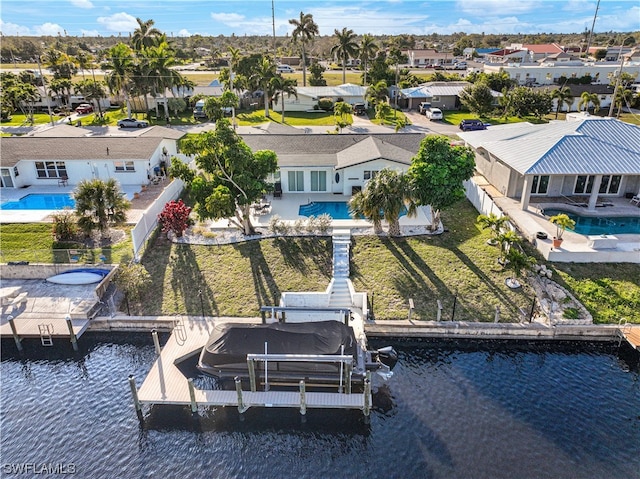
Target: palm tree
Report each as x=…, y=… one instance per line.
x=121, y=65
x=145, y=35
x=342, y=113
x=562, y=97
x=494, y=223
x=263, y=75
x=589, y=98
x=384, y=196
x=281, y=86
x=623, y=97
x=99, y=204
x=160, y=58
x=506, y=240
x=305, y=29
x=368, y=49
x=345, y=48
x=378, y=93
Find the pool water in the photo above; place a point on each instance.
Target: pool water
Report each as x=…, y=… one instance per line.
x=39, y=201
x=338, y=210
x=592, y=225
x=454, y=409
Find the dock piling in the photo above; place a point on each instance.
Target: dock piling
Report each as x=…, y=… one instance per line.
x=134, y=393
x=14, y=332
x=192, y=396
x=303, y=399
x=156, y=341
x=241, y=407
x=439, y=314
x=496, y=318
x=72, y=335
x=411, y=308
x=367, y=396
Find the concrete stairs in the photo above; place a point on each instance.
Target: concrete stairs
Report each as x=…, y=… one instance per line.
x=340, y=295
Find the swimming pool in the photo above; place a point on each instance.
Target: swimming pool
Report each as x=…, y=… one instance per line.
x=597, y=225
x=338, y=210
x=38, y=201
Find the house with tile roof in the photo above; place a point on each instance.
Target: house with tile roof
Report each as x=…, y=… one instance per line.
x=592, y=158
x=54, y=157
x=340, y=164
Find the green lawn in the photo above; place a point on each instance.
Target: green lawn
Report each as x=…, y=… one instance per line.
x=293, y=118
x=237, y=279
x=18, y=119
x=33, y=242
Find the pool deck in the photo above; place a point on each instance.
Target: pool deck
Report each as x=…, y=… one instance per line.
x=575, y=247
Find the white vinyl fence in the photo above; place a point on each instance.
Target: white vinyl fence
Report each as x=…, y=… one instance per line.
x=481, y=199
x=149, y=220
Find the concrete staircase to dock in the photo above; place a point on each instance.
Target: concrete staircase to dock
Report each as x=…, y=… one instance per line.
x=340, y=294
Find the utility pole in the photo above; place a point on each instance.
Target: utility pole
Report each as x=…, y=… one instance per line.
x=615, y=88
x=273, y=24
x=44, y=85
x=592, y=27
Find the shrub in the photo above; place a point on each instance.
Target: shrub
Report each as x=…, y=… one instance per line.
x=325, y=104
x=299, y=226
x=312, y=224
x=277, y=226
x=175, y=217
x=64, y=225
x=323, y=223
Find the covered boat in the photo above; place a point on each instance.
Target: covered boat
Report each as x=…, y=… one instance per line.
x=289, y=350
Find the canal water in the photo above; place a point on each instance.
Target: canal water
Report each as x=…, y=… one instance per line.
x=454, y=409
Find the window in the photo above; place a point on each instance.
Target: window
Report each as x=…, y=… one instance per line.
x=435, y=99
x=584, y=184
x=610, y=184
x=539, y=185
x=296, y=181
x=51, y=169
x=368, y=174
x=16, y=173
x=318, y=181
x=124, y=166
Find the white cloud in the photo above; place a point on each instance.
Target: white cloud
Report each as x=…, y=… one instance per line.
x=119, y=22
x=230, y=19
x=377, y=21
x=89, y=33
x=496, y=7
x=51, y=29
x=82, y=4
x=184, y=33
x=14, y=29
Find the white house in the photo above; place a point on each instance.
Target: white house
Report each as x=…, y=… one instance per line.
x=339, y=164
x=308, y=96
x=443, y=95
x=604, y=92
x=47, y=159
x=591, y=158
x=549, y=72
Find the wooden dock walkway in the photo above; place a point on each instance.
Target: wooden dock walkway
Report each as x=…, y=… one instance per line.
x=53, y=327
x=165, y=383
x=632, y=335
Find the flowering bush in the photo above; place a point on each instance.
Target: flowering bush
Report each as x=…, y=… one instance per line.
x=175, y=217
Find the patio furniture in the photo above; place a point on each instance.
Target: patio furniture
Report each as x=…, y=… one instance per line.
x=277, y=191
x=63, y=181
x=635, y=200
x=74, y=255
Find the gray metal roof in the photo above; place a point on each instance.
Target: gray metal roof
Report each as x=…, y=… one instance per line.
x=347, y=89
x=589, y=146
x=334, y=150
x=15, y=149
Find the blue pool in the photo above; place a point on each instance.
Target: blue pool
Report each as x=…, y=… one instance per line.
x=593, y=225
x=40, y=202
x=338, y=210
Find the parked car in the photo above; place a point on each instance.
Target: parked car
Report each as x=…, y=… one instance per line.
x=422, y=107
x=84, y=108
x=433, y=113
x=285, y=69
x=461, y=66
x=359, y=109
x=132, y=123
x=471, y=125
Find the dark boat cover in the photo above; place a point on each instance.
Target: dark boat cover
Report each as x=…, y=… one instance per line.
x=225, y=353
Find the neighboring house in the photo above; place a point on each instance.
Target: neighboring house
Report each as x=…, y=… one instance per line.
x=508, y=55
x=46, y=159
x=308, y=96
x=424, y=57
x=548, y=73
x=604, y=92
x=589, y=158
x=443, y=95
x=340, y=164
x=537, y=52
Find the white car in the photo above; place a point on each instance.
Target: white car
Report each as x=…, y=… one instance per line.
x=433, y=113
x=285, y=69
x=132, y=123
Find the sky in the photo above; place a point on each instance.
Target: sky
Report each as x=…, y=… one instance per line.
x=377, y=17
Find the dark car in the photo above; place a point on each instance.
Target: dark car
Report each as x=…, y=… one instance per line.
x=471, y=125
x=359, y=109
x=84, y=108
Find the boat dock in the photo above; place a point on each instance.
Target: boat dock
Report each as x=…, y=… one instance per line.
x=166, y=384
x=631, y=334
